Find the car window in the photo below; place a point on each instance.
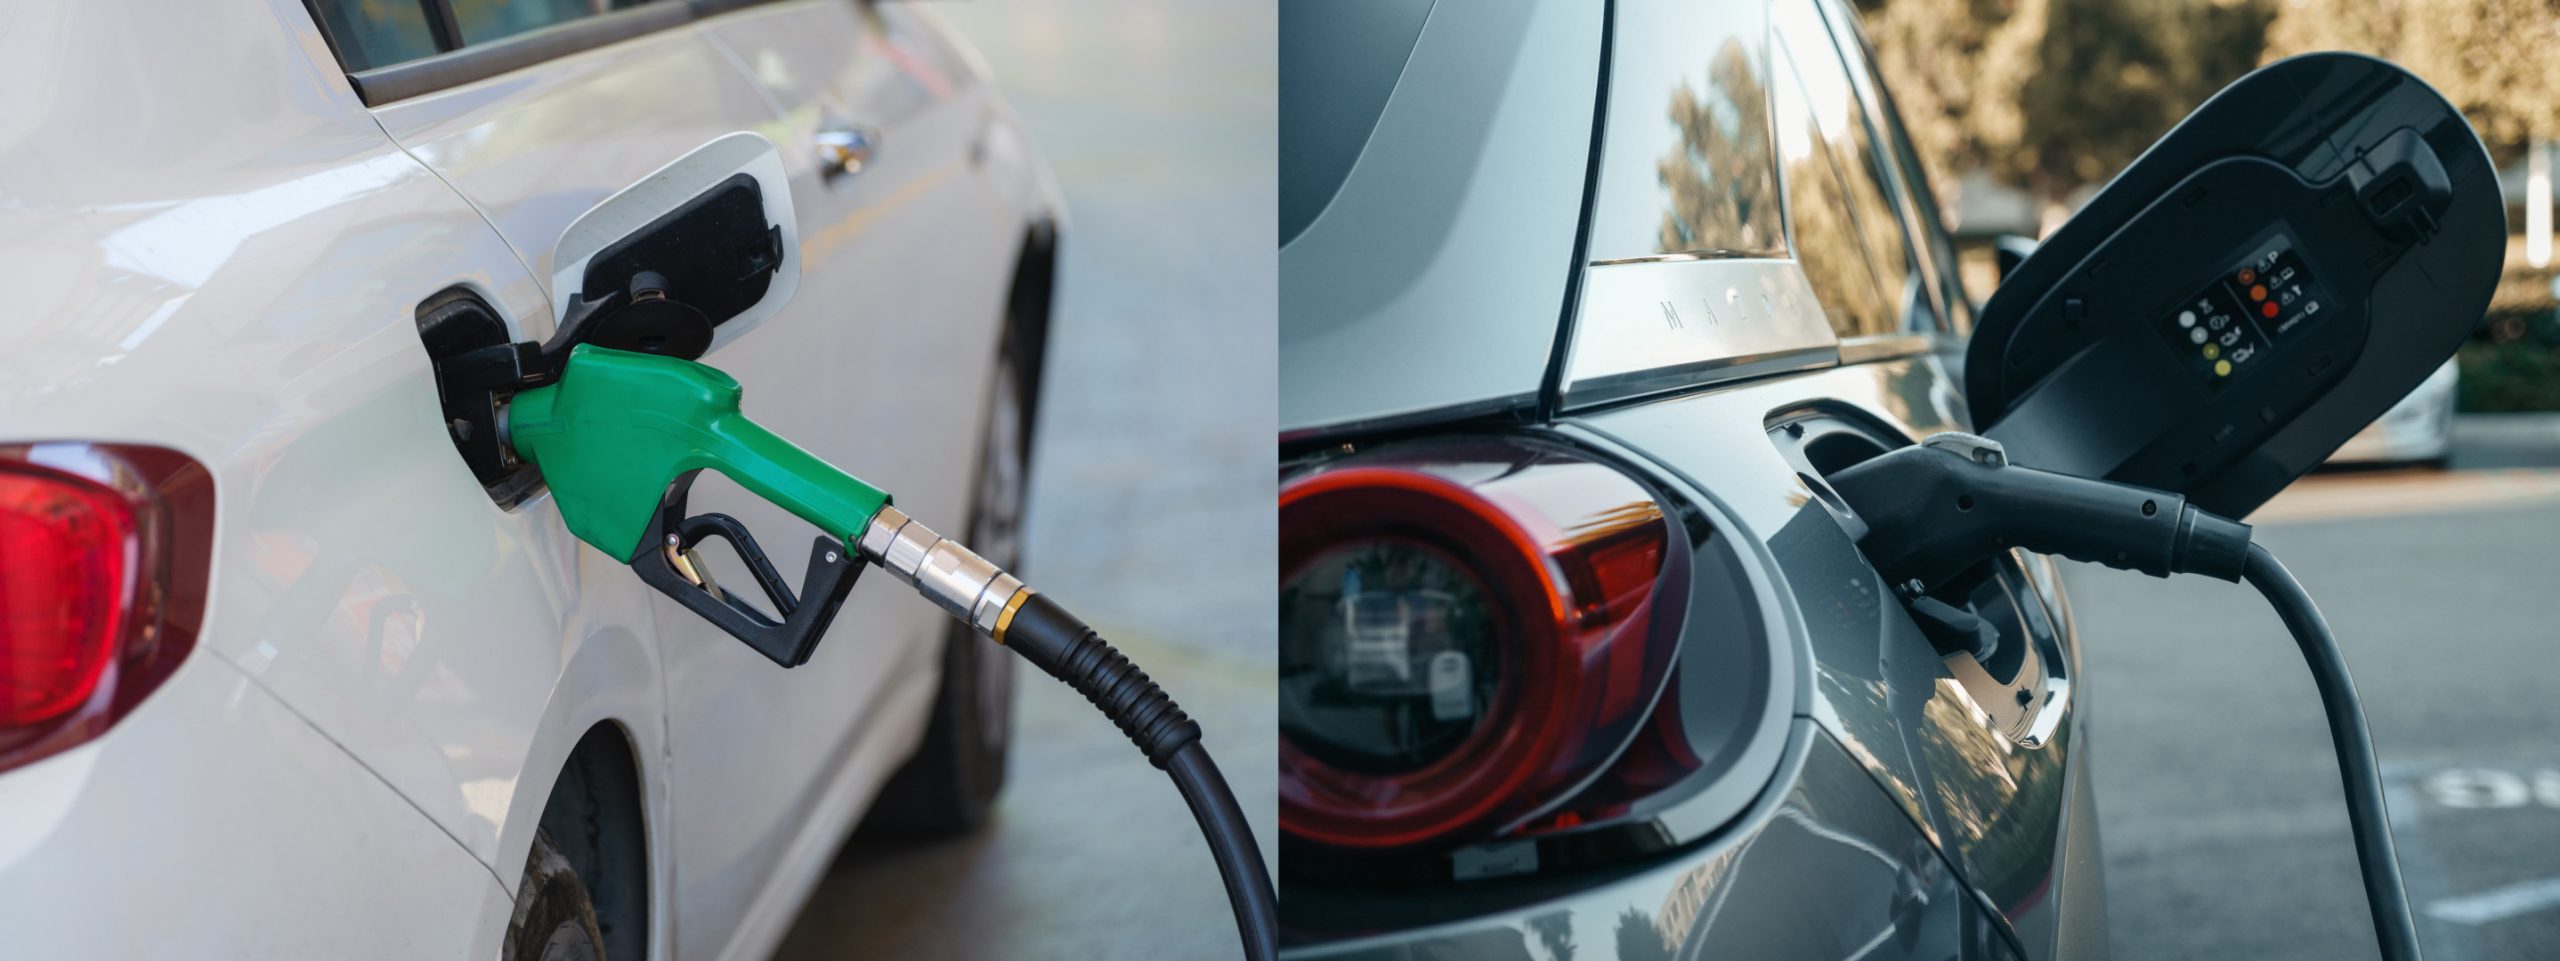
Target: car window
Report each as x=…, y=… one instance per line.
x=373, y=34
x=1840, y=132
x=1826, y=233
x=485, y=20
x=1937, y=252
x=1688, y=168
x=377, y=33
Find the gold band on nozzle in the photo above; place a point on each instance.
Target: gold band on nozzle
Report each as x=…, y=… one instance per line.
x=1005, y=620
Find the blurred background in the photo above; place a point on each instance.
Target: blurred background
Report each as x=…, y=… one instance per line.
x=2224, y=832
x=1150, y=509
x=2024, y=108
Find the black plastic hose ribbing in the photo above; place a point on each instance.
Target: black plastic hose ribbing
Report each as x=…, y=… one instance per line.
x=2395, y=930
x=1058, y=643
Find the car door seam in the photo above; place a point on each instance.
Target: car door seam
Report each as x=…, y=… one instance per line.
x=540, y=282
x=350, y=754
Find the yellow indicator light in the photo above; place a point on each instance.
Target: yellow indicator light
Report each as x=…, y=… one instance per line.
x=2222, y=368
x=2212, y=351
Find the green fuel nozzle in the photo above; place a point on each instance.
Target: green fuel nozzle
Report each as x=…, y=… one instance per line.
x=620, y=428
x=619, y=438
x=621, y=435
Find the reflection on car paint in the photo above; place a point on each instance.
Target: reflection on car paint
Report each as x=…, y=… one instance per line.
x=1830, y=869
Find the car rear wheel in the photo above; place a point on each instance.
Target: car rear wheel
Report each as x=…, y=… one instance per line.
x=950, y=786
x=554, y=919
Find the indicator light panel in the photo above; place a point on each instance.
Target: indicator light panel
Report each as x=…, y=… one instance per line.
x=2223, y=331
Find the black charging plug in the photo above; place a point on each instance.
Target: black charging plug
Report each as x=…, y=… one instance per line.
x=1935, y=510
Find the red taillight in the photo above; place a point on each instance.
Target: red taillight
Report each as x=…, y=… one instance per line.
x=103, y=551
x=1467, y=635
x=65, y=584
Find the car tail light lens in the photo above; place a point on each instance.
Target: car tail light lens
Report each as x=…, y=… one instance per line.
x=103, y=554
x=1468, y=633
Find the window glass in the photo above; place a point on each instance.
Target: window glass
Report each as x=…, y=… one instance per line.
x=1826, y=231
x=1841, y=131
x=376, y=33
x=1687, y=166
x=1937, y=240
x=486, y=20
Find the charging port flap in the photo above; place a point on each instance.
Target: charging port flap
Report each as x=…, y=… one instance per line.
x=2290, y=261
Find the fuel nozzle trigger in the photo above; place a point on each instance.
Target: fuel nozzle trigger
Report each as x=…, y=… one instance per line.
x=620, y=437
x=672, y=568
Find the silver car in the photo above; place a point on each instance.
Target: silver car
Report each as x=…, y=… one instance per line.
x=1579, y=308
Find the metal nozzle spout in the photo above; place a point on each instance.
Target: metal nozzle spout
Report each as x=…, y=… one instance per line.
x=958, y=580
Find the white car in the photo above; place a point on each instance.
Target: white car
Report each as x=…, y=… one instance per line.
x=279, y=676
x=2417, y=430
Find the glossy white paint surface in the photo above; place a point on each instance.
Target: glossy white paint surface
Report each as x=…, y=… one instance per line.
x=213, y=823
x=231, y=269
x=880, y=364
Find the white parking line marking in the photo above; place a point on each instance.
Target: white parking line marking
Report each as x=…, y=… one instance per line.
x=2499, y=904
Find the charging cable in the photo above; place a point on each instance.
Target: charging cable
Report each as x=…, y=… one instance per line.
x=2384, y=892
x=1938, y=510
x=1028, y=623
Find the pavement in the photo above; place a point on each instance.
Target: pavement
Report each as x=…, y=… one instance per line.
x=1091, y=856
x=2218, y=801
x=1151, y=503
x=1156, y=468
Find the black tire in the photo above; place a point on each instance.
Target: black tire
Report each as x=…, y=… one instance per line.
x=949, y=787
x=554, y=920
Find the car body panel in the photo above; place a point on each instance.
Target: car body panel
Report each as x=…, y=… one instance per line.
x=234, y=273
x=906, y=259
x=244, y=293
x=1823, y=866
x=140, y=844
x=1446, y=253
x=1878, y=687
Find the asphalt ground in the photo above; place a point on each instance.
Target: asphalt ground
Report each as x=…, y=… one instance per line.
x=1091, y=855
x=2225, y=835
x=1151, y=503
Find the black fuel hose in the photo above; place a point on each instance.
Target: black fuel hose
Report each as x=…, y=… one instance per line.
x=2384, y=892
x=1049, y=637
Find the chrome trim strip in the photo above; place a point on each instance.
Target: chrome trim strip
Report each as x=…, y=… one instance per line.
x=1860, y=350
x=1716, y=370
x=1689, y=255
x=1666, y=325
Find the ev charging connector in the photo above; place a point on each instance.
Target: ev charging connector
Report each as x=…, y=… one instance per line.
x=1937, y=510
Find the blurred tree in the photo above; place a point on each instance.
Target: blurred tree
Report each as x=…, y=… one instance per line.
x=2493, y=58
x=2052, y=95
x=1722, y=197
